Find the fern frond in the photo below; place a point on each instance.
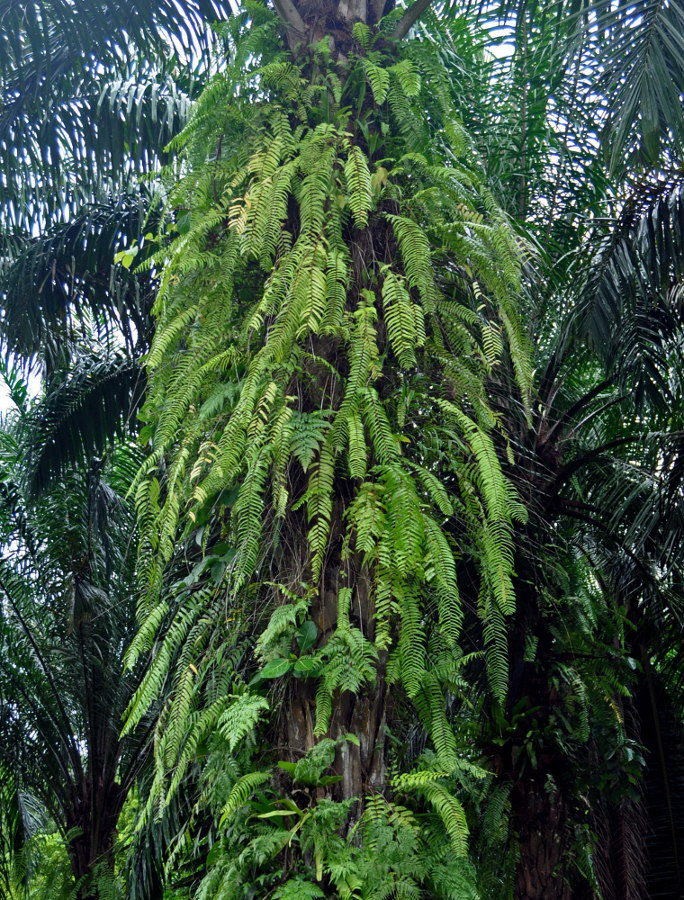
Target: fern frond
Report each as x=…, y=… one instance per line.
x=378, y=78
x=241, y=792
x=241, y=717
x=319, y=500
x=375, y=417
x=359, y=186
x=401, y=318
x=415, y=254
x=357, y=446
x=442, y=560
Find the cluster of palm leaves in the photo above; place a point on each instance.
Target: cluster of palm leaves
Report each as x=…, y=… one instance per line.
x=577, y=118
x=68, y=614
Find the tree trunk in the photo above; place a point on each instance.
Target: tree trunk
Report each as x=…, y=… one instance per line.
x=536, y=768
x=310, y=21
x=93, y=826
x=362, y=767
x=538, y=820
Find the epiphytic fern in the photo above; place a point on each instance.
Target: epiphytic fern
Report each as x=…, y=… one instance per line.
x=331, y=307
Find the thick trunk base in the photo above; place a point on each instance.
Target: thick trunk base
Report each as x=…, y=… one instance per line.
x=538, y=818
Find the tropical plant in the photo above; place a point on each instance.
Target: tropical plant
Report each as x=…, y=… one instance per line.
x=326, y=324
x=558, y=673
x=602, y=304
x=67, y=616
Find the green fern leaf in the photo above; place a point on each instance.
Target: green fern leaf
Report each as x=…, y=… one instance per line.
x=241, y=717
x=359, y=186
x=401, y=320
x=378, y=78
x=241, y=792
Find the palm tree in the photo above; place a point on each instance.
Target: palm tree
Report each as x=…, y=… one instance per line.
x=592, y=464
x=595, y=635
x=67, y=616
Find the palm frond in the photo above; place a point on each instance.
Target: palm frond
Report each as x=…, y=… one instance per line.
x=98, y=141
x=79, y=417
x=643, y=77
x=629, y=305
x=41, y=39
x=69, y=272
x=56, y=278
x=638, y=49
x=88, y=95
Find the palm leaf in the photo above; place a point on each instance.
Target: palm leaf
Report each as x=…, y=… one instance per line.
x=644, y=75
x=79, y=417
x=637, y=47
x=63, y=154
x=85, y=92
x=629, y=301
x=58, y=277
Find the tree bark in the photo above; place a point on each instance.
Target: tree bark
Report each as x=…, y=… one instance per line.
x=363, y=714
x=538, y=820
x=535, y=768
x=93, y=827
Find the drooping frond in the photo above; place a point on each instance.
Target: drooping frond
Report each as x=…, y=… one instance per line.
x=54, y=281
x=79, y=417
x=629, y=303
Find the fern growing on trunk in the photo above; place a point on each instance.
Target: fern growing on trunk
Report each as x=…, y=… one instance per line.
x=338, y=288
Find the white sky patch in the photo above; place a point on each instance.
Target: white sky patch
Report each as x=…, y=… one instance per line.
x=5, y=402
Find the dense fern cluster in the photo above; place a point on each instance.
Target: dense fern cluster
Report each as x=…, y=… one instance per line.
x=394, y=847
x=331, y=307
